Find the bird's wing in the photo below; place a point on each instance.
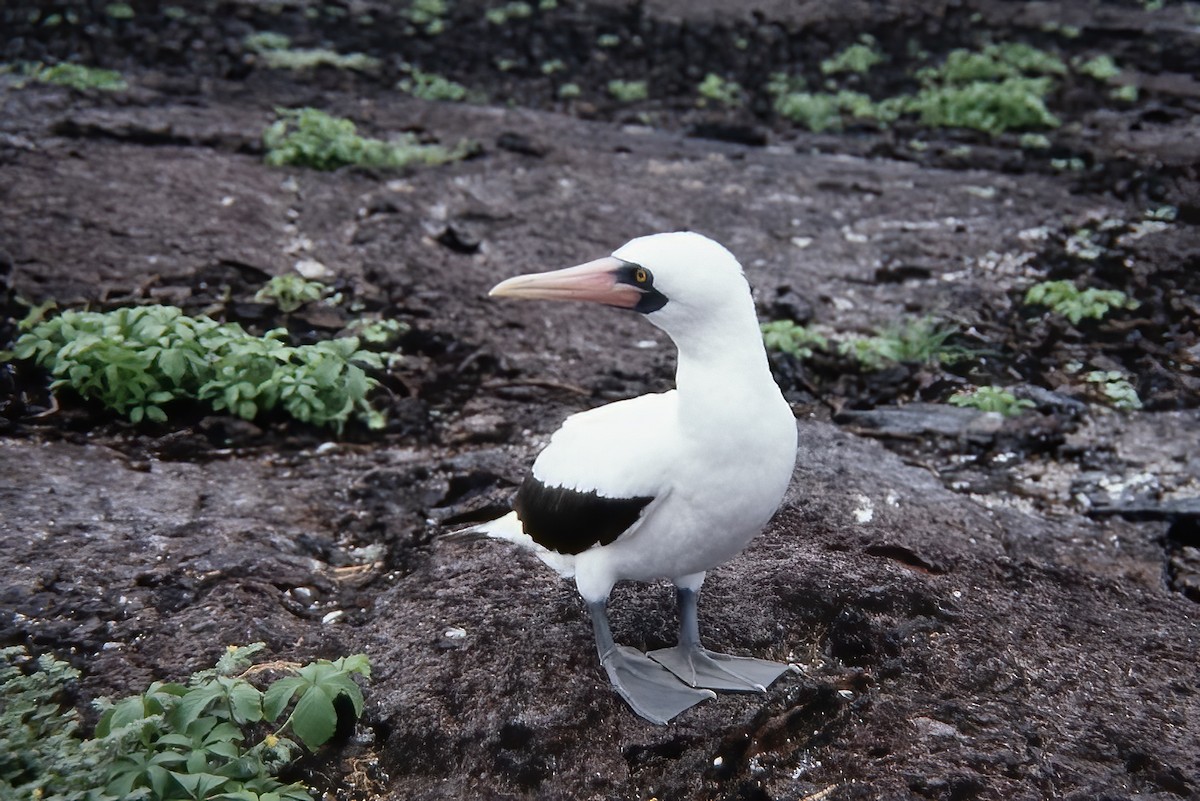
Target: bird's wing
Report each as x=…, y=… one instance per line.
x=599, y=473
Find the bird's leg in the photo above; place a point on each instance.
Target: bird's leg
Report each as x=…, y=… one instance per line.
x=650, y=690
x=697, y=666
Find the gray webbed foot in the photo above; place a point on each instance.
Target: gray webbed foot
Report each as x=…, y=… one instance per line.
x=649, y=689
x=698, y=667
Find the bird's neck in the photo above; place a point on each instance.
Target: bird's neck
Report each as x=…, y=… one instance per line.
x=723, y=367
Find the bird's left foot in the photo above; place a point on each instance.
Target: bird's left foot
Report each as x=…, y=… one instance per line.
x=698, y=667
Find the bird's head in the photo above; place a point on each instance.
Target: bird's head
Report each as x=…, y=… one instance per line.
x=672, y=278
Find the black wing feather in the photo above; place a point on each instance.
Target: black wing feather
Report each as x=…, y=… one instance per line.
x=569, y=521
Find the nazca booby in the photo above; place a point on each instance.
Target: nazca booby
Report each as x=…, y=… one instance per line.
x=664, y=485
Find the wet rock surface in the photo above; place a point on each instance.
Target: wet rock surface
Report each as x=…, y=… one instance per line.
x=979, y=607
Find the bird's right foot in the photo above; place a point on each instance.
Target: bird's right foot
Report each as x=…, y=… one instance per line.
x=651, y=690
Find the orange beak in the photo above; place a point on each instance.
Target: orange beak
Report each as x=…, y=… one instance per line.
x=595, y=281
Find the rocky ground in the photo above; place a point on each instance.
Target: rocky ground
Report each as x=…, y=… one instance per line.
x=980, y=607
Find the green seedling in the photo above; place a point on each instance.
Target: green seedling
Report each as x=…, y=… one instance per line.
x=628, y=91
x=991, y=399
x=1116, y=388
x=136, y=361
x=790, y=337
x=429, y=15
x=569, y=91
x=1066, y=299
x=719, y=90
x=290, y=292
x=508, y=11
x=118, y=11
x=857, y=58
x=382, y=333
x=275, y=50
x=311, y=138
x=216, y=737
x=608, y=40
x=78, y=77
x=430, y=86
x=552, y=66
x=1102, y=68
x=920, y=341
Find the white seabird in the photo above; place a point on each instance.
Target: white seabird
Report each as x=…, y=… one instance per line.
x=665, y=485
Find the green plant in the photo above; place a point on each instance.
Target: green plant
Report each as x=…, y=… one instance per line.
x=137, y=360
x=502, y=14
x=1116, y=388
x=118, y=11
x=608, y=40
x=378, y=332
x=919, y=341
x=824, y=111
x=628, y=91
x=310, y=138
x=857, y=58
x=42, y=755
x=1063, y=297
x=276, y=52
x=173, y=741
x=1102, y=68
x=290, y=292
x=988, y=106
x=77, y=76
x=720, y=90
x=790, y=337
x=430, y=86
x=429, y=15
x=995, y=62
x=552, y=66
x=991, y=399
x=569, y=91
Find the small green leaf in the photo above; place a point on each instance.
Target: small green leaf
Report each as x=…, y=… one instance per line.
x=314, y=718
x=276, y=698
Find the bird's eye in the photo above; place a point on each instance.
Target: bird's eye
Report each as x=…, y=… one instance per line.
x=641, y=275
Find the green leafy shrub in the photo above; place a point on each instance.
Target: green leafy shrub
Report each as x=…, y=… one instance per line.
x=308, y=137
x=119, y=11
x=290, y=292
x=988, y=106
x=1000, y=88
x=509, y=11
x=857, y=58
x=428, y=15
x=991, y=399
x=790, y=337
x=1116, y=389
x=42, y=755
x=430, y=86
x=78, y=77
x=174, y=741
x=821, y=111
x=995, y=62
x=276, y=51
x=1101, y=68
x=719, y=90
x=137, y=360
x=920, y=341
x=1063, y=297
x=628, y=91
